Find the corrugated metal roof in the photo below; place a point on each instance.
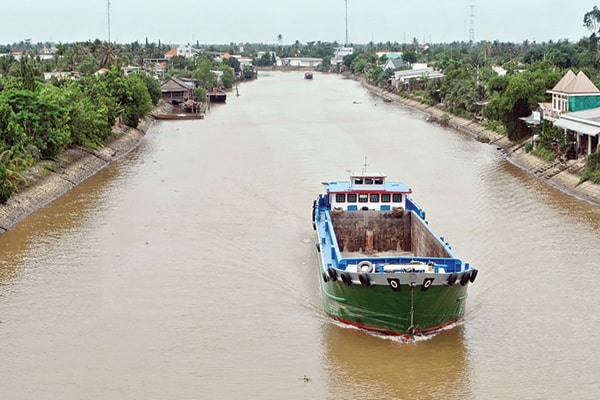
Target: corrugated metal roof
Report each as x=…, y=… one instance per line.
x=578, y=127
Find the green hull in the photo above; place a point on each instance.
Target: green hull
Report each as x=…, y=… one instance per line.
x=379, y=308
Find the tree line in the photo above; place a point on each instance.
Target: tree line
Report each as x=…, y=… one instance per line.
x=40, y=119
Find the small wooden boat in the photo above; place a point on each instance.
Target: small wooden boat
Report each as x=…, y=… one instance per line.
x=179, y=116
x=308, y=75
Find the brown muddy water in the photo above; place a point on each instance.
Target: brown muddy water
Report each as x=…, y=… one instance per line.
x=187, y=269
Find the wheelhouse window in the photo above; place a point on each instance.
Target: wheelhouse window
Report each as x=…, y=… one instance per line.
x=374, y=198
x=397, y=198
x=340, y=198
x=368, y=181
x=358, y=181
x=363, y=198
x=352, y=198
x=379, y=181
x=386, y=198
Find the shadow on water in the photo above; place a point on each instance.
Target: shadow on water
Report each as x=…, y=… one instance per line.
x=360, y=365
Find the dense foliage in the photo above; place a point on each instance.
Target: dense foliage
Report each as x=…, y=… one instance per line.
x=39, y=120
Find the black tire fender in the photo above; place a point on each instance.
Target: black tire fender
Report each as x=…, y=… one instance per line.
x=364, y=279
x=452, y=279
x=464, y=279
x=332, y=273
x=346, y=278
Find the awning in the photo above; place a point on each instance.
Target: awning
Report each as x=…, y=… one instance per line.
x=579, y=127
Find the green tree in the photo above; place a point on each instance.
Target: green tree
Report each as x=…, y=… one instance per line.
x=591, y=20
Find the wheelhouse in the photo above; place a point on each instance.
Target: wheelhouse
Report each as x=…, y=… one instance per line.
x=366, y=192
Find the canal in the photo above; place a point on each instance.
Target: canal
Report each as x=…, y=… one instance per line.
x=187, y=269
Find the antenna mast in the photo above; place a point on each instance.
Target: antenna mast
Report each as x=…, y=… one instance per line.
x=472, y=29
x=108, y=11
x=346, y=23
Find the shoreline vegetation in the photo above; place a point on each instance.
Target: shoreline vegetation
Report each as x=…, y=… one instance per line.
x=48, y=180
x=564, y=176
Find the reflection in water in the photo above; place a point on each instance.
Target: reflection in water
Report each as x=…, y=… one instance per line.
x=365, y=366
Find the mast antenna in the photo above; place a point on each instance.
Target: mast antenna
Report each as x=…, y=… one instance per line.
x=471, y=28
x=346, y=23
x=108, y=12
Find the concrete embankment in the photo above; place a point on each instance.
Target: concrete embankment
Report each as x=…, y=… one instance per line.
x=564, y=176
x=49, y=180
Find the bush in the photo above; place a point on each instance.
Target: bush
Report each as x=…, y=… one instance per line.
x=6, y=187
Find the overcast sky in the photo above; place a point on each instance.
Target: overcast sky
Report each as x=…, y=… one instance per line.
x=261, y=21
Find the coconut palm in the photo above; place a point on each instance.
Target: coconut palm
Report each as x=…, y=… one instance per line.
x=107, y=54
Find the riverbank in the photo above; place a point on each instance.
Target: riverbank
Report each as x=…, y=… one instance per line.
x=564, y=176
x=48, y=180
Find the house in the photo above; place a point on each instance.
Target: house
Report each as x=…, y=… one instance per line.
x=339, y=53
x=182, y=51
x=402, y=79
x=584, y=126
x=573, y=93
x=171, y=53
x=176, y=91
x=302, y=62
x=394, y=63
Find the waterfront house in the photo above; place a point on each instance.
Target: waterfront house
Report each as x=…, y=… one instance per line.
x=299, y=62
x=176, y=91
x=403, y=79
x=584, y=127
x=575, y=108
x=573, y=93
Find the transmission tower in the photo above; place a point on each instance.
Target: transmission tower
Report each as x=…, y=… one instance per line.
x=471, y=28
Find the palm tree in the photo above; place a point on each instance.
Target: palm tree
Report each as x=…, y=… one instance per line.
x=107, y=55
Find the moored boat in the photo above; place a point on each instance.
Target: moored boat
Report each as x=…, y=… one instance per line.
x=217, y=97
x=308, y=75
x=381, y=267
x=179, y=116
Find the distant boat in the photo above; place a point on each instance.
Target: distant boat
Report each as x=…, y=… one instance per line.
x=217, y=96
x=382, y=267
x=308, y=75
